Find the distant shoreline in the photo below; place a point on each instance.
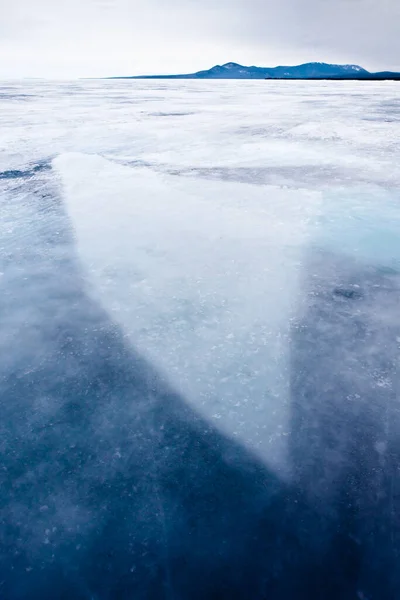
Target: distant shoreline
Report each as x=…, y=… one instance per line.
x=178, y=77
x=314, y=71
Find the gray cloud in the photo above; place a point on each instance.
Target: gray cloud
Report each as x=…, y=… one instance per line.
x=102, y=37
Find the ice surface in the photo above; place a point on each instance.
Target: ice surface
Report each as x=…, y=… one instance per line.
x=199, y=338
x=203, y=280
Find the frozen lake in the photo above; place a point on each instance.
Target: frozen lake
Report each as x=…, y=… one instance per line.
x=199, y=291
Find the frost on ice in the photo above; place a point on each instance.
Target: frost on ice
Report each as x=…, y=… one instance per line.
x=199, y=337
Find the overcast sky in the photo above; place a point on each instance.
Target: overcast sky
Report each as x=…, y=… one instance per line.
x=78, y=38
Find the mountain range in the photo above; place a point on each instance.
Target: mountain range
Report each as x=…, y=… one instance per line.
x=312, y=70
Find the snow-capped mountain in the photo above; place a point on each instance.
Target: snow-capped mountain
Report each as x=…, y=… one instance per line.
x=312, y=70
x=233, y=70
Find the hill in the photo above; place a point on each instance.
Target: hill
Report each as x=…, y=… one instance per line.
x=312, y=70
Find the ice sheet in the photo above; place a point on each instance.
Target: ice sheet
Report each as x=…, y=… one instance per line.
x=202, y=278
x=192, y=206
x=242, y=240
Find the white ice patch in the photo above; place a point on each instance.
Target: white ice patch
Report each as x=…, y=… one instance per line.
x=201, y=276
